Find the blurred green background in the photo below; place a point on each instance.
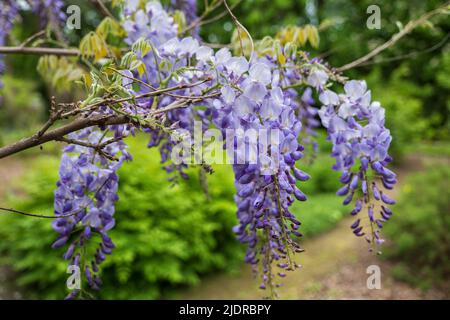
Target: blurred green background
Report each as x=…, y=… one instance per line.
x=175, y=242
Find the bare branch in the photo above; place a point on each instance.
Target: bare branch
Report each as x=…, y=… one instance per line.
x=101, y=6
x=10, y=210
x=97, y=147
x=395, y=38
x=410, y=55
x=39, y=51
x=58, y=134
x=55, y=134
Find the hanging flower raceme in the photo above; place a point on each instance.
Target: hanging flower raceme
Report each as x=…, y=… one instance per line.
x=153, y=27
x=265, y=171
x=85, y=198
x=360, y=145
x=257, y=100
x=241, y=96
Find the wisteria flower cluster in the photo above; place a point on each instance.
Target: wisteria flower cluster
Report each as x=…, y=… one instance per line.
x=175, y=86
x=243, y=94
x=85, y=198
x=360, y=145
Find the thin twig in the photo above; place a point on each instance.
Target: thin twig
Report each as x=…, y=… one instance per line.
x=76, y=125
x=39, y=51
x=149, y=86
x=410, y=26
x=239, y=25
x=101, y=6
x=208, y=10
x=409, y=55
x=219, y=16
x=10, y=210
x=54, y=116
x=97, y=147
x=32, y=38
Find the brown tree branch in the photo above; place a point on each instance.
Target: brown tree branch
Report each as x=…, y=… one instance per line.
x=56, y=134
x=39, y=51
x=410, y=26
x=103, y=9
x=97, y=147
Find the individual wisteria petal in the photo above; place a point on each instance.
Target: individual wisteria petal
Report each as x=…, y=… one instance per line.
x=343, y=190
x=357, y=208
x=375, y=192
x=317, y=78
x=329, y=97
x=299, y=195
x=348, y=199
x=300, y=175
x=354, y=182
x=355, y=224
x=260, y=72
x=370, y=213
x=386, y=199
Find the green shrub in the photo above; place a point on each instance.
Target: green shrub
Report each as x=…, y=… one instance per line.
x=22, y=106
x=421, y=229
x=319, y=214
x=165, y=236
x=403, y=101
x=323, y=178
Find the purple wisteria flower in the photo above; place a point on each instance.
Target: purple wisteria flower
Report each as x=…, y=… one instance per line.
x=360, y=145
x=85, y=198
x=255, y=95
x=248, y=97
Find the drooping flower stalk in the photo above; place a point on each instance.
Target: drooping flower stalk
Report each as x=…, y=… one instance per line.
x=270, y=94
x=85, y=199
x=360, y=145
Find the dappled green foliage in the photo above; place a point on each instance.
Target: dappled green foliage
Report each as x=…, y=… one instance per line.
x=22, y=107
x=422, y=243
x=164, y=238
x=404, y=103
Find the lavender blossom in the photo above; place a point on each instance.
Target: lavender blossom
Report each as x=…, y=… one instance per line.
x=356, y=129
